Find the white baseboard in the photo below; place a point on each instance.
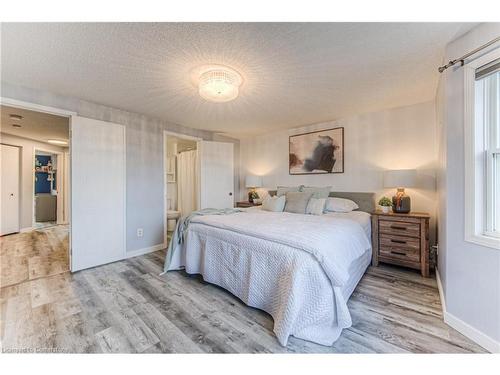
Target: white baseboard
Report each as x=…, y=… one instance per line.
x=465, y=329
x=146, y=250
x=27, y=229
x=441, y=290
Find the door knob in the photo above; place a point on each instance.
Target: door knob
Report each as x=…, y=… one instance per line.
x=230, y=194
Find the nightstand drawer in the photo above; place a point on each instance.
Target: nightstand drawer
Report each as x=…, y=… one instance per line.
x=399, y=247
x=412, y=255
x=399, y=227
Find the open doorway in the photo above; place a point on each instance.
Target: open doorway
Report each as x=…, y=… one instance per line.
x=48, y=199
x=198, y=174
x=39, y=201
x=182, y=177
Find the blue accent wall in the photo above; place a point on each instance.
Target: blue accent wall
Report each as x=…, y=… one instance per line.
x=42, y=184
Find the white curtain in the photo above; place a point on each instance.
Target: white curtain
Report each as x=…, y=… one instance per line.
x=187, y=182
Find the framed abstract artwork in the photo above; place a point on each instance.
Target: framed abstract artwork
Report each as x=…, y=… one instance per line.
x=317, y=152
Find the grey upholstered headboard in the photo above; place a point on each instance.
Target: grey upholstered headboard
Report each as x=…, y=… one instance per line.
x=365, y=201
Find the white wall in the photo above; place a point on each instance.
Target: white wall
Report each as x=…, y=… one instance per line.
x=398, y=138
x=27, y=168
x=470, y=273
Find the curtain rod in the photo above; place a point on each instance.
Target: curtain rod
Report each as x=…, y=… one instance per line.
x=441, y=69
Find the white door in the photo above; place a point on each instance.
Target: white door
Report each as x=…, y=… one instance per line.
x=9, y=203
x=98, y=192
x=217, y=175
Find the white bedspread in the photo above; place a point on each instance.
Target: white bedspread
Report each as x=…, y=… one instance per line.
x=292, y=266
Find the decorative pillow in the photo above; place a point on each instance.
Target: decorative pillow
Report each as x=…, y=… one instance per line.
x=282, y=190
x=316, y=206
x=340, y=205
x=296, y=202
x=317, y=192
x=274, y=204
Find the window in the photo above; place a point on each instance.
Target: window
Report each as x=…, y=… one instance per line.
x=482, y=150
x=487, y=115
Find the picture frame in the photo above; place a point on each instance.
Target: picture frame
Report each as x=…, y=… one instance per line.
x=317, y=152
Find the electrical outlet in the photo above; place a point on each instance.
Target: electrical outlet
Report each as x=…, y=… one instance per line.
x=140, y=232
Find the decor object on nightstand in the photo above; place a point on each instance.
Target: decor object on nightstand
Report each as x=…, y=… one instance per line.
x=400, y=179
x=385, y=203
x=252, y=182
x=401, y=239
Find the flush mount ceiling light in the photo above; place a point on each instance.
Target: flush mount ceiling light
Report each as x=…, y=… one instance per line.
x=218, y=83
x=59, y=142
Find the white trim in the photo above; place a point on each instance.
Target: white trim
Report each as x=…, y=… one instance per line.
x=441, y=290
x=465, y=329
x=27, y=229
x=35, y=107
x=165, y=187
x=183, y=136
x=124, y=190
x=472, y=333
x=146, y=250
x=483, y=240
x=472, y=211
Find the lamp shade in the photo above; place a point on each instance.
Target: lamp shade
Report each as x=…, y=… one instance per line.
x=400, y=178
x=253, y=181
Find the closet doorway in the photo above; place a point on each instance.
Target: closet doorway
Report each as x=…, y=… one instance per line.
x=197, y=174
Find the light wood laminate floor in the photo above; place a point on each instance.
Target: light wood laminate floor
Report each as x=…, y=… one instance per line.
x=31, y=255
x=127, y=307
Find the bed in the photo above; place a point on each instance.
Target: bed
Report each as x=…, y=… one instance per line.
x=301, y=269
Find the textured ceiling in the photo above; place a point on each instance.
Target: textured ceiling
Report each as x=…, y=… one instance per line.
x=294, y=73
x=35, y=125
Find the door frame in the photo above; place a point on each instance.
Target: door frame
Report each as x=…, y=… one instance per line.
x=166, y=134
x=54, y=111
x=20, y=169
x=60, y=218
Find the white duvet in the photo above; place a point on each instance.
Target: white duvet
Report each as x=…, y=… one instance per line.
x=292, y=266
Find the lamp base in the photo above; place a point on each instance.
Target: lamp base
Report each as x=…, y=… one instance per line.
x=401, y=203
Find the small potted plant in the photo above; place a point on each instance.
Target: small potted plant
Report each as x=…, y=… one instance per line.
x=385, y=203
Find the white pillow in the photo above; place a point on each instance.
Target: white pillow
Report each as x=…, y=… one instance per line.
x=316, y=206
x=274, y=204
x=340, y=205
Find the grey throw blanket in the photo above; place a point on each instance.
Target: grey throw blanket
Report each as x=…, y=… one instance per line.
x=182, y=226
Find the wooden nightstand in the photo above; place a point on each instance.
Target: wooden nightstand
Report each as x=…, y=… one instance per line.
x=401, y=239
x=246, y=204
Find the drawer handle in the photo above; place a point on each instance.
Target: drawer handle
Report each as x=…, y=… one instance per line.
x=398, y=227
x=398, y=241
x=398, y=253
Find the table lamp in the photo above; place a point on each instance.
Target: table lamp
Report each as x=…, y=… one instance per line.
x=252, y=182
x=400, y=179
